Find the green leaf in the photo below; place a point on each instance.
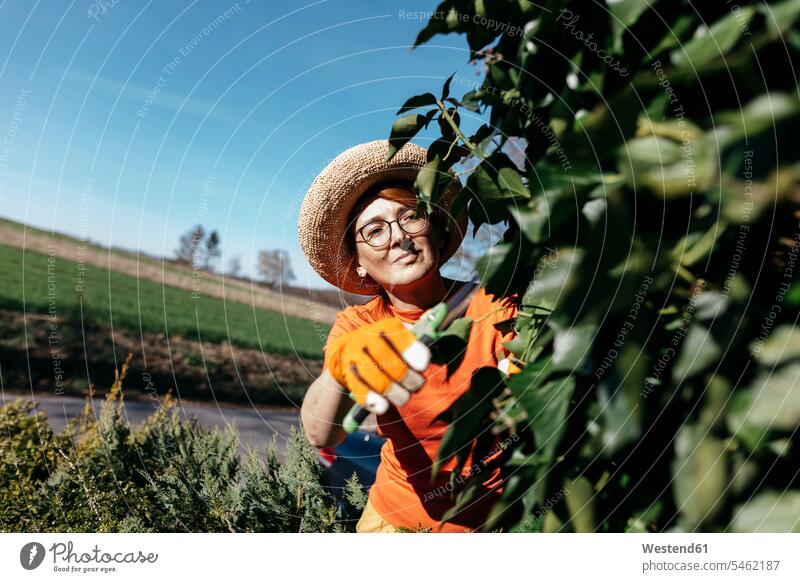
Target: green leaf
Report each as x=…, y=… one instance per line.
x=700, y=476
x=779, y=18
x=404, y=129
x=675, y=160
x=623, y=14
x=772, y=404
x=702, y=348
x=431, y=182
x=518, y=344
x=715, y=43
x=463, y=500
x=499, y=266
x=677, y=31
x=435, y=26
x=619, y=413
x=545, y=214
x=769, y=512
x=699, y=246
x=459, y=204
x=516, y=486
x=417, y=101
x=745, y=472
x=580, y=504
x=782, y=345
x=451, y=345
x=448, y=133
x=572, y=345
x=595, y=211
x=534, y=223
x=469, y=101
x=553, y=277
x=446, y=87
x=484, y=135
x=509, y=180
x=763, y=114
x=485, y=186
x=793, y=295
x=699, y=351
x=753, y=437
x=426, y=179
x=459, y=328
x=498, y=179
x=469, y=414
x=546, y=406
x=602, y=131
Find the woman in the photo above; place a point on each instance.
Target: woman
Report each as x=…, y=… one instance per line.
x=361, y=231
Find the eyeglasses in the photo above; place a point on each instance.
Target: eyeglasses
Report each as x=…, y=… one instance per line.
x=378, y=232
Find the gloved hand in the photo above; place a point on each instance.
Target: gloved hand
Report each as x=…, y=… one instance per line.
x=509, y=366
x=379, y=363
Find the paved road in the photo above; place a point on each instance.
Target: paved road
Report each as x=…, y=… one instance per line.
x=256, y=425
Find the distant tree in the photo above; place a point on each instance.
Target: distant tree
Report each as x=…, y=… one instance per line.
x=275, y=268
x=212, y=250
x=234, y=266
x=189, y=245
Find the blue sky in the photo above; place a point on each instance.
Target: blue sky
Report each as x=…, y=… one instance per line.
x=127, y=122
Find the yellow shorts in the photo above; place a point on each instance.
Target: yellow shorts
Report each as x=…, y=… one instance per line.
x=372, y=522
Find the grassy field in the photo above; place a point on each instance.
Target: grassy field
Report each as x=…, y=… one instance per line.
x=317, y=304
x=119, y=299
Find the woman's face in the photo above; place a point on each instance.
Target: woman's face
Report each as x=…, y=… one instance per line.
x=405, y=258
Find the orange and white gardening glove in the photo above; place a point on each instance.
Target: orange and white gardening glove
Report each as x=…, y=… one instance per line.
x=507, y=363
x=379, y=363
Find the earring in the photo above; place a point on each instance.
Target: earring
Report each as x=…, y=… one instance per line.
x=362, y=272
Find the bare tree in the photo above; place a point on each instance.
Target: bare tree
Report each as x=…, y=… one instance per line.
x=274, y=267
x=189, y=245
x=212, y=250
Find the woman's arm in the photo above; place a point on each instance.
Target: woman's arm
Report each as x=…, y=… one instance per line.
x=381, y=363
x=324, y=407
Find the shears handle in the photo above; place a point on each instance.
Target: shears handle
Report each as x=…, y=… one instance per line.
x=354, y=417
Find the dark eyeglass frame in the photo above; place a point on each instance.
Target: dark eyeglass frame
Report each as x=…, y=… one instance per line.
x=425, y=220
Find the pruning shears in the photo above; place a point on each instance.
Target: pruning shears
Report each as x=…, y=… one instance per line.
x=428, y=328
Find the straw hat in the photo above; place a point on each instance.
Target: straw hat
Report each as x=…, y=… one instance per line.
x=323, y=223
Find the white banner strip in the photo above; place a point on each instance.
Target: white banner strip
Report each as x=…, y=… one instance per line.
x=400, y=557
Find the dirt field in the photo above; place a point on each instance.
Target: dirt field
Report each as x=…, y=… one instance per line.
x=192, y=370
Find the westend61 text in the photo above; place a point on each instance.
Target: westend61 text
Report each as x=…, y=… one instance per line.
x=672, y=549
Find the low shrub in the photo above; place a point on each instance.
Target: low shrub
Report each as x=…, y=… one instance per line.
x=101, y=474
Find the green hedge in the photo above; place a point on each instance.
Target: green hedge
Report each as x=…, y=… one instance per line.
x=641, y=160
x=100, y=474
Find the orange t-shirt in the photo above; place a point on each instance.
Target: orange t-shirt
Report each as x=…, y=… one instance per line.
x=403, y=493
